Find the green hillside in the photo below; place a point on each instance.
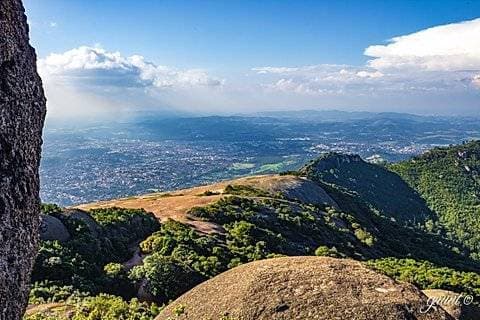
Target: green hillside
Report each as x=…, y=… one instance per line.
x=378, y=187
x=449, y=180
x=117, y=256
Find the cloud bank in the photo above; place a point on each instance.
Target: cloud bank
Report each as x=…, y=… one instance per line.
x=98, y=66
x=434, y=67
x=451, y=47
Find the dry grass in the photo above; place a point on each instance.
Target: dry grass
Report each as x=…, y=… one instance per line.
x=48, y=308
x=176, y=204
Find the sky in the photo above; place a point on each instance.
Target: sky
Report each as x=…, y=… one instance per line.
x=107, y=58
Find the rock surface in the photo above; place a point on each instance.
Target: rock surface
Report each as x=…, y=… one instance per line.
x=22, y=112
x=459, y=306
x=52, y=228
x=85, y=217
x=305, y=288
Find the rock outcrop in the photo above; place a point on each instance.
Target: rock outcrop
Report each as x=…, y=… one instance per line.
x=304, y=288
x=84, y=217
x=22, y=112
x=459, y=306
x=52, y=228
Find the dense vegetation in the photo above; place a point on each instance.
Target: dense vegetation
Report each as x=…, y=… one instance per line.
x=427, y=275
x=76, y=267
x=104, y=307
x=449, y=180
x=258, y=228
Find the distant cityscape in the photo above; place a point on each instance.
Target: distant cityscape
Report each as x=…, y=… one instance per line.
x=90, y=163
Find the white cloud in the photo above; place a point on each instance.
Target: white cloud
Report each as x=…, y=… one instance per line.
x=319, y=79
x=97, y=66
x=264, y=70
x=451, y=47
x=105, y=82
x=53, y=24
x=437, y=67
x=439, y=61
x=366, y=74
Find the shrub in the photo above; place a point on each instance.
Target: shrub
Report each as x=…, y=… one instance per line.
x=101, y=307
x=167, y=278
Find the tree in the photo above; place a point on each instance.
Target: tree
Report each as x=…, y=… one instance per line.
x=166, y=277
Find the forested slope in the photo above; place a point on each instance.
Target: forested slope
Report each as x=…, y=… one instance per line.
x=449, y=180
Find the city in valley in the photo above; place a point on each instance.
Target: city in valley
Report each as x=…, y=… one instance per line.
x=91, y=162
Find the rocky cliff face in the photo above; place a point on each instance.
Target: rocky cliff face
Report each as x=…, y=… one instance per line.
x=22, y=112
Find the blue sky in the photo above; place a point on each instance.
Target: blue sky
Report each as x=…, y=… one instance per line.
x=223, y=46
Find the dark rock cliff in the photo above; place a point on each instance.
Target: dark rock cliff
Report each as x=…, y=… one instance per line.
x=22, y=112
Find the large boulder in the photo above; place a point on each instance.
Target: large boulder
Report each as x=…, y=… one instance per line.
x=22, y=112
x=459, y=306
x=83, y=216
x=52, y=228
x=302, y=288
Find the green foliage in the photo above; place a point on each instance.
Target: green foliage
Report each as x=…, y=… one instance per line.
x=208, y=193
x=78, y=264
x=124, y=227
x=364, y=236
x=449, y=179
x=101, y=307
x=244, y=241
x=290, y=173
x=392, y=217
x=116, y=279
x=380, y=216
x=167, y=277
x=378, y=187
x=258, y=228
x=48, y=291
x=324, y=251
x=113, y=269
x=179, y=310
x=50, y=209
x=389, y=238
x=203, y=253
x=427, y=275
x=254, y=229
x=245, y=191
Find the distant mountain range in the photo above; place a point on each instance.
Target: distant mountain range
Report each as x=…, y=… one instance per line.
x=340, y=116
